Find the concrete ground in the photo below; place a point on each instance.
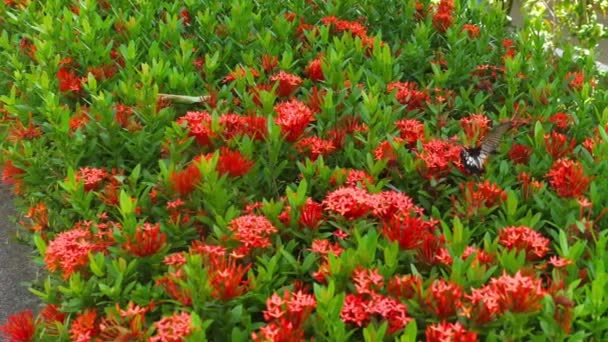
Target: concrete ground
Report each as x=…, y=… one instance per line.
x=15, y=263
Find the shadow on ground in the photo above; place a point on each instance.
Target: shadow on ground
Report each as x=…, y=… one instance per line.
x=16, y=265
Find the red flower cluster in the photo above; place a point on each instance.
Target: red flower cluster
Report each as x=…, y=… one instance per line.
x=315, y=147
x=173, y=328
x=239, y=73
x=314, y=70
x=408, y=95
x=443, y=298
x=520, y=154
x=557, y=144
x=288, y=83
x=561, y=120
x=438, y=156
x=442, y=20
x=367, y=303
x=471, y=30
x=355, y=28
x=411, y=131
x=233, y=163
x=286, y=317
x=517, y=294
x=148, y=240
x=19, y=327
x=184, y=181
x=293, y=117
x=452, y=332
x=235, y=125
x=481, y=195
x=69, y=81
x=199, y=126
x=568, y=178
x=252, y=231
x=69, y=251
x=475, y=128
x=85, y=326
x=525, y=239
x=91, y=177
x=350, y=202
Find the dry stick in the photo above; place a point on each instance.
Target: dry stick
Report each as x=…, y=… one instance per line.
x=184, y=99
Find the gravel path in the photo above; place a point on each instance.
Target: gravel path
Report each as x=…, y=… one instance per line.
x=15, y=264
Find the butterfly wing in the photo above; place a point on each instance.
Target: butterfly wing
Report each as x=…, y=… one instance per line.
x=492, y=140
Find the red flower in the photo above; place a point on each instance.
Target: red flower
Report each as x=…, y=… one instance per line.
x=409, y=95
x=85, y=326
x=288, y=83
x=557, y=144
x=92, y=177
x=452, y=332
x=252, y=231
x=185, y=181
x=69, y=80
x=388, y=204
x=358, y=178
x=481, y=195
x=561, y=120
x=324, y=247
x=293, y=117
x=444, y=299
x=520, y=154
x=233, y=163
x=518, y=293
x=351, y=202
x=314, y=70
x=405, y=287
x=471, y=30
x=124, y=117
x=438, y=156
x=409, y=230
x=185, y=16
x=367, y=281
x=286, y=316
x=225, y=274
x=576, y=80
x=269, y=62
x=315, y=147
x=199, y=124
x=18, y=132
x=355, y=310
x=442, y=21
x=239, y=73
x=568, y=178
x=173, y=328
x=475, y=128
x=38, y=214
x=19, y=327
x=411, y=131
x=70, y=250
x=10, y=173
x=525, y=239
x=148, y=240
x=386, y=150
x=311, y=214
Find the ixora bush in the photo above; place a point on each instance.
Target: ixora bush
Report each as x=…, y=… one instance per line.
x=305, y=177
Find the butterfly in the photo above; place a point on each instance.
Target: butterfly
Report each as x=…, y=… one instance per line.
x=474, y=158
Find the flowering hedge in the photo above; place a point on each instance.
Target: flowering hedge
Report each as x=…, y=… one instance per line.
x=294, y=170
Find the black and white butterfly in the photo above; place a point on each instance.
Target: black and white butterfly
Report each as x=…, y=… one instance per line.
x=473, y=159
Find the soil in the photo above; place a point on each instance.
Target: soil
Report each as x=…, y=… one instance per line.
x=16, y=266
